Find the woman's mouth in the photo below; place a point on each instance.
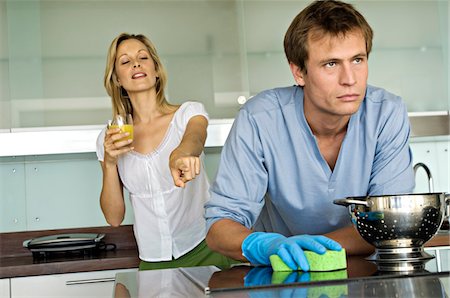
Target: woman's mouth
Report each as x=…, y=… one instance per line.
x=138, y=75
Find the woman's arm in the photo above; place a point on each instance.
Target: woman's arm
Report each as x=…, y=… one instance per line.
x=111, y=197
x=184, y=161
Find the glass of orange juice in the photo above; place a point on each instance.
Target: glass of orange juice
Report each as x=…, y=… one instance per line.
x=124, y=123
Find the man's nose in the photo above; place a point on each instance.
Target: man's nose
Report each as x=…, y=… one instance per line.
x=347, y=75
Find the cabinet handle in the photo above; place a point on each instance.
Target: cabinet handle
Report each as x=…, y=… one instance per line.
x=89, y=281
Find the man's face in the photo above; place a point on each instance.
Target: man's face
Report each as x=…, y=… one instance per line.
x=336, y=77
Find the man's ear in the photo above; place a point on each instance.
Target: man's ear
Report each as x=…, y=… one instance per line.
x=297, y=73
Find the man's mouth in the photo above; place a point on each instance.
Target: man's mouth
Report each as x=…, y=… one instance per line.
x=349, y=97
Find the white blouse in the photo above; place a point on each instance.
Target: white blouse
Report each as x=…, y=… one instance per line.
x=168, y=220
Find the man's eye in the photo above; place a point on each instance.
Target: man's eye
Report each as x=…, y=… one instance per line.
x=330, y=64
x=358, y=60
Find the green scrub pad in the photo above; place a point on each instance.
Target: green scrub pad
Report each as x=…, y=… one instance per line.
x=330, y=260
x=280, y=277
x=335, y=291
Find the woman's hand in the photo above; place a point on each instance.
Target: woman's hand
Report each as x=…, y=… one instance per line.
x=115, y=144
x=183, y=167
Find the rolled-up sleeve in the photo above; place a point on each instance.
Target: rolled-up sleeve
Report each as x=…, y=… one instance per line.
x=241, y=181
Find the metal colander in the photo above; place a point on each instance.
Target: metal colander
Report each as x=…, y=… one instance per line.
x=393, y=221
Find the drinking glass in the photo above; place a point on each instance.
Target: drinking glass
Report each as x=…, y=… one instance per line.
x=124, y=123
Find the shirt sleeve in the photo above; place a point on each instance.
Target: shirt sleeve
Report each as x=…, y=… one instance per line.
x=192, y=109
x=100, y=149
x=242, y=179
x=392, y=171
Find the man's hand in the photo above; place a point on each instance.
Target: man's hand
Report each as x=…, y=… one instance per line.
x=259, y=246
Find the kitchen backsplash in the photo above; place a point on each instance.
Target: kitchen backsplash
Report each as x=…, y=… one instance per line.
x=62, y=191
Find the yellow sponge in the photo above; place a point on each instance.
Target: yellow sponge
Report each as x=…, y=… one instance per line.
x=329, y=261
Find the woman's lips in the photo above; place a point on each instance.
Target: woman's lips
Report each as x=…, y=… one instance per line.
x=138, y=75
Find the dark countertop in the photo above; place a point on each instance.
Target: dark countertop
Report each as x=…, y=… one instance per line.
x=17, y=261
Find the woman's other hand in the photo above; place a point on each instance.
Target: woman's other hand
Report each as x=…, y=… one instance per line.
x=116, y=144
x=183, y=167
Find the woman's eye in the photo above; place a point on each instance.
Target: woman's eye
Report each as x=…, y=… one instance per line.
x=143, y=58
x=124, y=62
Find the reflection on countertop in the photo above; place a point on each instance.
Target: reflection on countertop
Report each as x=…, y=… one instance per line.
x=361, y=279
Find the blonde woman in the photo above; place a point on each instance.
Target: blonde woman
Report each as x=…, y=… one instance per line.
x=161, y=167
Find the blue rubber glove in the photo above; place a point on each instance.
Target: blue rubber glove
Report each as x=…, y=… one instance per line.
x=259, y=246
x=258, y=276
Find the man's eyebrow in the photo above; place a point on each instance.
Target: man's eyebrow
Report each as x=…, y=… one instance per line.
x=326, y=60
x=360, y=55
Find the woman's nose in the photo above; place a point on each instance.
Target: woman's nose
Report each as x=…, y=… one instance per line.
x=136, y=65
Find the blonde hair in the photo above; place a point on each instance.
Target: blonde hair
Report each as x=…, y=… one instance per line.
x=121, y=103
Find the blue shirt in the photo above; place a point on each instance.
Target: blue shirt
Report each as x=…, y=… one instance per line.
x=272, y=176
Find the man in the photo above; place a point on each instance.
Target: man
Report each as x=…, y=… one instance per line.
x=294, y=150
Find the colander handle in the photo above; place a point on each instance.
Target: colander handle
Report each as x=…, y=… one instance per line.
x=347, y=202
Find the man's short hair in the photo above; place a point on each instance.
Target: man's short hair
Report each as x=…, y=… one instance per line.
x=318, y=19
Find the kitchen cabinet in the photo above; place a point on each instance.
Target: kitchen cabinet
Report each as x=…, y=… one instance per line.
x=441, y=262
x=4, y=288
x=220, y=50
x=434, y=152
x=85, y=284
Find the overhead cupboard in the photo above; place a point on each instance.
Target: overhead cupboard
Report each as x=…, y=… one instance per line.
x=53, y=53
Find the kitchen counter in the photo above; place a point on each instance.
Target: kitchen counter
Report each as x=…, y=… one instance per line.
x=16, y=261
x=360, y=279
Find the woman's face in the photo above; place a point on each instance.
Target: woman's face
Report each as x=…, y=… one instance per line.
x=134, y=67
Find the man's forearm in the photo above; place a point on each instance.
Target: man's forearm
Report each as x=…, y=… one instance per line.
x=226, y=236
x=352, y=241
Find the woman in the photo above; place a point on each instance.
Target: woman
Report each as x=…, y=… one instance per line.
x=161, y=167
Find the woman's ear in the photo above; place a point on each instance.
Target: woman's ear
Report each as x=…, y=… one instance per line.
x=298, y=74
x=116, y=80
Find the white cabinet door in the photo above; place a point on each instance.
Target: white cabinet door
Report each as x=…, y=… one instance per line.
x=4, y=288
x=424, y=152
x=85, y=284
x=441, y=262
x=443, y=165
x=435, y=154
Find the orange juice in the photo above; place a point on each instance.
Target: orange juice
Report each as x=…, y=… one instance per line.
x=125, y=128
